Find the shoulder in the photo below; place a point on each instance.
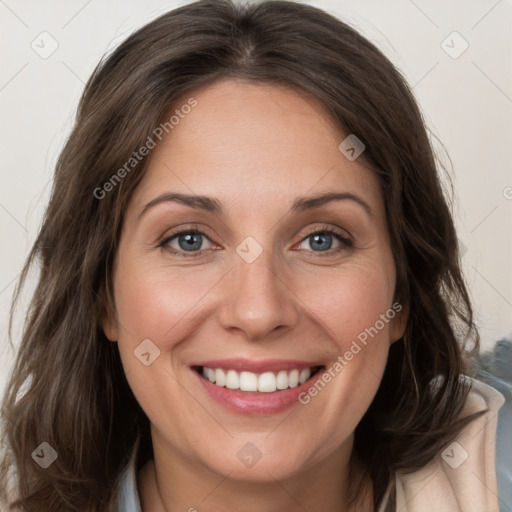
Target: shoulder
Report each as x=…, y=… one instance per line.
x=462, y=476
x=503, y=383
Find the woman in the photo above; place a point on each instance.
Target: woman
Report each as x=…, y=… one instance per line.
x=249, y=286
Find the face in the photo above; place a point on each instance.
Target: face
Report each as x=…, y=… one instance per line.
x=256, y=255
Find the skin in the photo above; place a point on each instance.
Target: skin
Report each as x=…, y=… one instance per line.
x=255, y=148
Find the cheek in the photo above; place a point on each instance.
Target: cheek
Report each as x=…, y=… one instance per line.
x=349, y=302
x=354, y=306
x=355, y=309
x=155, y=302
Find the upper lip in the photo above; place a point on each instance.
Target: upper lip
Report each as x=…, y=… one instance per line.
x=263, y=365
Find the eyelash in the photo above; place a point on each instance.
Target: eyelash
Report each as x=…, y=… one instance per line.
x=345, y=241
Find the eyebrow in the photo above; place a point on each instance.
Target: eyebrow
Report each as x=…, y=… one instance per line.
x=213, y=205
x=308, y=202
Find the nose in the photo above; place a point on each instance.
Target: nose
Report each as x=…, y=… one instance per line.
x=258, y=301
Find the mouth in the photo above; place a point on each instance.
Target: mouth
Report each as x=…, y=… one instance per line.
x=257, y=382
x=256, y=387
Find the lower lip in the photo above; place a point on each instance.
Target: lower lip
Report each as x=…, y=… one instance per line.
x=257, y=403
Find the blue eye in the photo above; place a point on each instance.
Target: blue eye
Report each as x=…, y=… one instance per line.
x=188, y=241
x=326, y=242
x=321, y=241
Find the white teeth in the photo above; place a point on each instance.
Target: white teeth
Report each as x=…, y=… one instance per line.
x=304, y=375
x=232, y=380
x=248, y=381
x=293, y=378
x=267, y=382
x=282, y=380
x=220, y=377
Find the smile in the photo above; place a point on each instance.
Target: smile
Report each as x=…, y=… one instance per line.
x=266, y=382
x=256, y=387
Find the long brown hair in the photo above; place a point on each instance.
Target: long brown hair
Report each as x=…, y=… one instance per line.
x=68, y=387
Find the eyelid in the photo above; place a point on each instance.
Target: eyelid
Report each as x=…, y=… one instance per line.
x=185, y=228
x=345, y=235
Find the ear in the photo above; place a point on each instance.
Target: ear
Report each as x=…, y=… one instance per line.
x=108, y=320
x=399, y=322
x=109, y=325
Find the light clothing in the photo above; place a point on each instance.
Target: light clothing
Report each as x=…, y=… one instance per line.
x=128, y=497
x=461, y=478
x=496, y=370
x=504, y=440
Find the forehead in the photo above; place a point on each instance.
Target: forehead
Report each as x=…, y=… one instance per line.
x=257, y=142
